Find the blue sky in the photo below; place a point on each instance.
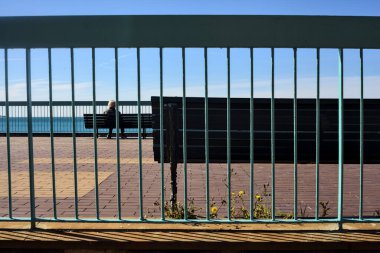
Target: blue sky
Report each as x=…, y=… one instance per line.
x=240, y=76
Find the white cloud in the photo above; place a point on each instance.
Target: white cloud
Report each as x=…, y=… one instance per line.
x=40, y=90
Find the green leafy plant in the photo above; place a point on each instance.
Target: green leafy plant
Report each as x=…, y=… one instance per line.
x=178, y=211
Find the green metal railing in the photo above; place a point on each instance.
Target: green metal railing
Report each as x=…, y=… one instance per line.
x=184, y=32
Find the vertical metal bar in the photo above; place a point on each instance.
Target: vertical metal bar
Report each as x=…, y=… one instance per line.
x=361, y=133
x=52, y=150
x=295, y=151
x=317, y=137
x=95, y=134
x=162, y=164
x=117, y=134
x=74, y=140
x=16, y=126
x=340, y=137
x=206, y=139
x=30, y=139
x=228, y=134
x=46, y=115
x=8, y=135
x=273, y=147
x=251, y=144
x=139, y=136
x=184, y=139
x=60, y=119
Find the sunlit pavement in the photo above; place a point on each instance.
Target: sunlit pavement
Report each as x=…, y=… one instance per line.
x=151, y=186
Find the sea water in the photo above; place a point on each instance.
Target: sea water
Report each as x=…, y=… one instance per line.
x=42, y=125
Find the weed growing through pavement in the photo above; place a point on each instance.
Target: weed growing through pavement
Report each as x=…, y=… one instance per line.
x=325, y=208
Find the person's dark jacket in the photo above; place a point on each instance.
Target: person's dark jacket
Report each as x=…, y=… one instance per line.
x=111, y=120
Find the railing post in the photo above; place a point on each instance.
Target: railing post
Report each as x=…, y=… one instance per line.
x=9, y=157
x=273, y=141
x=251, y=142
x=30, y=139
x=52, y=151
x=340, y=138
x=317, y=137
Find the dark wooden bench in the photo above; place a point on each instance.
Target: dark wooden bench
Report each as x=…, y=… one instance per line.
x=126, y=121
x=240, y=134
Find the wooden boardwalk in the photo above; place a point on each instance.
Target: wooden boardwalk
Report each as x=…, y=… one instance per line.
x=152, y=180
x=217, y=241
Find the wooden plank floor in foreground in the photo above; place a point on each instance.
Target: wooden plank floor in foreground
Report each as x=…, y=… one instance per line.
x=196, y=240
x=152, y=179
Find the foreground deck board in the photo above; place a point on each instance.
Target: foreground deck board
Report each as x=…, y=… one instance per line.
x=216, y=240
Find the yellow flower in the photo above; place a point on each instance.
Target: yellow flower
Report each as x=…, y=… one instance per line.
x=258, y=197
x=241, y=193
x=233, y=194
x=214, y=210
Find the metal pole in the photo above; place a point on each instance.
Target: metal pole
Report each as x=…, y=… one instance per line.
x=162, y=164
x=95, y=134
x=30, y=139
x=139, y=136
x=184, y=139
x=52, y=151
x=117, y=134
x=317, y=137
x=295, y=151
x=207, y=139
x=228, y=134
x=10, y=210
x=251, y=143
x=73, y=117
x=361, y=133
x=340, y=138
x=273, y=146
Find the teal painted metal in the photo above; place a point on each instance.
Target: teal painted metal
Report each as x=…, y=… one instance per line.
x=30, y=139
x=139, y=136
x=117, y=134
x=95, y=135
x=295, y=132
x=200, y=221
x=162, y=165
x=9, y=161
x=228, y=134
x=190, y=31
x=317, y=137
x=340, y=137
x=207, y=138
x=251, y=144
x=272, y=137
x=52, y=150
x=361, y=134
x=184, y=133
x=73, y=126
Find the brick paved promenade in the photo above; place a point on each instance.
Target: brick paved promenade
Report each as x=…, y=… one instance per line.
x=151, y=181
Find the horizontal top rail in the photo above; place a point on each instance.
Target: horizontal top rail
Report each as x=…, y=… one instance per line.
x=68, y=103
x=190, y=31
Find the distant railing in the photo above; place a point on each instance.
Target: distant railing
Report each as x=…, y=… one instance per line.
x=61, y=117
